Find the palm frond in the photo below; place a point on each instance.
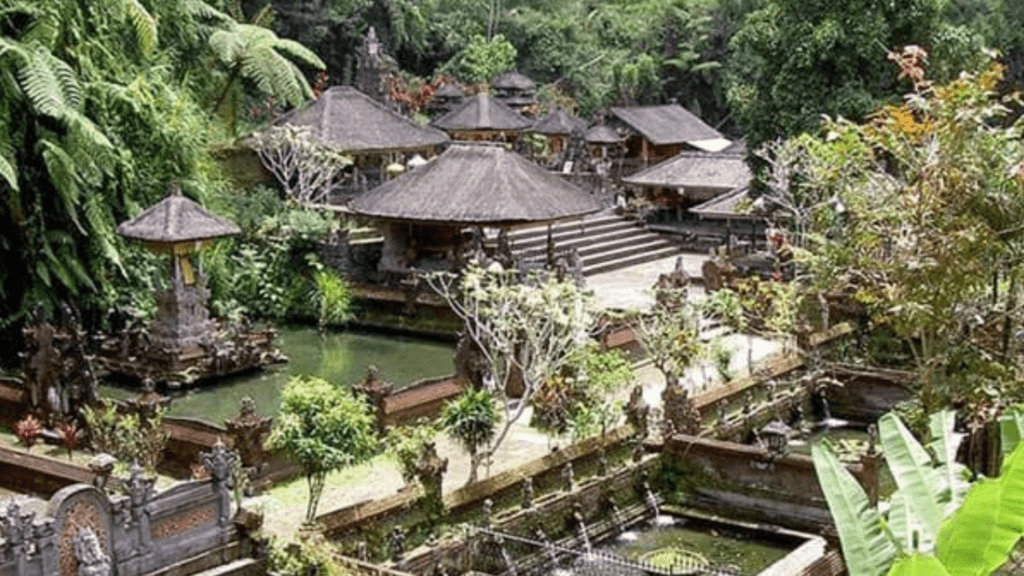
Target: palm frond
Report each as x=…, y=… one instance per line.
x=145, y=26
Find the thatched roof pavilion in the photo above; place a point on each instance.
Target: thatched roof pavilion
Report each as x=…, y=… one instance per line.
x=558, y=125
x=470, y=184
x=176, y=220
x=659, y=132
x=477, y=184
x=483, y=118
x=349, y=121
x=697, y=175
x=603, y=134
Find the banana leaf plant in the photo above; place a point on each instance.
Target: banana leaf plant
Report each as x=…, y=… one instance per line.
x=937, y=522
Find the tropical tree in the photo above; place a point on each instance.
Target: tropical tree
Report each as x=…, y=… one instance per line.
x=794, y=60
x=256, y=53
x=305, y=169
x=323, y=428
x=937, y=521
x=482, y=59
x=881, y=212
x=472, y=419
x=524, y=328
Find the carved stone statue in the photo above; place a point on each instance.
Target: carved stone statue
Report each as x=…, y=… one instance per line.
x=568, y=477
x=397, y=544
x=527, y=501
x=470, y=364
x=680, y=410
x=92, y=560
x=670, y=290
x=637, y=411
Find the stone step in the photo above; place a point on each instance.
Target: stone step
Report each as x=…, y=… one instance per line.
x=627, y=258
x=589, y=243
x=241, y=567
x=603, y=252
x=533, y=233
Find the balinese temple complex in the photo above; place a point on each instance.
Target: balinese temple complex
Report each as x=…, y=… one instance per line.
x=183, y=344
x=351, y=122
x=433, y=217
x=483, y=118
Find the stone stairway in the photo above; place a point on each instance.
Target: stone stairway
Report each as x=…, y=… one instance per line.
x=605, y=241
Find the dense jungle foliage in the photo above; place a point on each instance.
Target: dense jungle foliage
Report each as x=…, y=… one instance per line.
x=103, y=105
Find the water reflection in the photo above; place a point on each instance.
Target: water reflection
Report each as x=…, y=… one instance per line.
x=340, y=357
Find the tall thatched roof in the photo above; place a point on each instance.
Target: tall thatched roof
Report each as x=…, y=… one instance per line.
x=696, y=170
x=176, y=219
x=603, y=134
x=482, y=112
x=477, y=184
x=512, y=80
x=671, y=124
x=350, y=121
x=558, y=121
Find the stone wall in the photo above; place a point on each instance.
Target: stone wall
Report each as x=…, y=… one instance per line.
x=29, y=473
x=371, y=520
x=741, y=481
x=86, y=530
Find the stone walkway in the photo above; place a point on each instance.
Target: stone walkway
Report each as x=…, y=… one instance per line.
x=630, y=288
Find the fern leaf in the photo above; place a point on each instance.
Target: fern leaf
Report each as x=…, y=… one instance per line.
x=200, y=9
x=64, y=178
x=145, y=26
x=98, y=217
x=44, y=28
x=50, y=84
x=9, y=173
x=228, y=45
x=297, y=51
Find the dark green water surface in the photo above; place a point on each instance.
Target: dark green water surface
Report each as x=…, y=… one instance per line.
x=339, y=357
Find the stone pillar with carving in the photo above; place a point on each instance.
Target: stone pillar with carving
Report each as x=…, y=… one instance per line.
x=16, y=529
x=139, y=489
x=45, y=535
x=248, y=432
x=221, y=463
x=375, y=390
